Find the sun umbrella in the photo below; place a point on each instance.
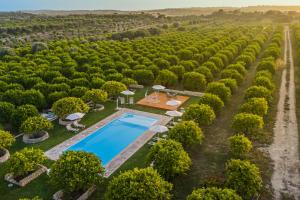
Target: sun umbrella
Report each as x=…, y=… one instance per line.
x=174, y=113
x=173, y=103
x=158, y=87
x=127, y=92
x=75, y=116
x=159, y=129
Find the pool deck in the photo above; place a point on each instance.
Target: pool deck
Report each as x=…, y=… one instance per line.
x=124, y=155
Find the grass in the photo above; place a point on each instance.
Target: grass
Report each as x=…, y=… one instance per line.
x=40, y=186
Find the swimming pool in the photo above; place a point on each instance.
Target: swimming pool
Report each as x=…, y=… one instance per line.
x=109, y=140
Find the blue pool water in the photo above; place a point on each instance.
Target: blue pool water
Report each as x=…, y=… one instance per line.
x=109, y=140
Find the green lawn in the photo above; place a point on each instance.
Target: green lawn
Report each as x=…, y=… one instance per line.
x=59, y=134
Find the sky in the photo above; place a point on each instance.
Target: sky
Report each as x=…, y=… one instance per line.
x=15, y=5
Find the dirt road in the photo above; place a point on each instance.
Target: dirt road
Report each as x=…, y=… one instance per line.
x=284, y=150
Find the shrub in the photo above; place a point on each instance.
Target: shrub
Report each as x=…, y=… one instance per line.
x=240, y=146
x=129, y=81
x=258, y=92
x=178, y=70
x=264, y=73
x=257, y=106
x=220, y=90
x=194, y=81
x=166, y=78
x=238, y=67
x=265, y=82
x=139, y=184
x=6, y=140
x=247, y=123
x=143, y=77
x=230, y=83
x=6, y=110
x=188, y=133
x=34, y=125
x=33, y=97
x=212, y=193
x=267, y=64
x=232, y=73
x=206, y=72
x=213, y=101
x=97, y=83
x=76, y=171
x=169, y=158
x=113, y=88
x=69, y=105
x=77, y=92
x=55, y=96
x=96, y=96
x=201, y=114
x=244, y=178
x=25, y=161
x=22, y=113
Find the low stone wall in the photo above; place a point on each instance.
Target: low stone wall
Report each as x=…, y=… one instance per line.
x=28, y=140
x=5, y=157
x=98, y=108
x=184, y=92
x=10, y=177
x=59, y=194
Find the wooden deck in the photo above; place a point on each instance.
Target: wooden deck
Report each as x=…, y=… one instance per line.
x=159, y=101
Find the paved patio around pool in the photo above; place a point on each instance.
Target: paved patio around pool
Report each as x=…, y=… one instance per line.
x=162, y=97
x=124, y=155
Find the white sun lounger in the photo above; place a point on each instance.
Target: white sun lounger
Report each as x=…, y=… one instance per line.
x=69, y=128
x=76, y=124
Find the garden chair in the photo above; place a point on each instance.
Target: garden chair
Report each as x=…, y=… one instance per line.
x=76, y=124
x=122, y=100
x=131, y=101
x=69, y=128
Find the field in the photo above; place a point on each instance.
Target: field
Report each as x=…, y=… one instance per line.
x=48, y=58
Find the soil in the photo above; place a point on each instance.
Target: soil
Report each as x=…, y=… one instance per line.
x=284, y=150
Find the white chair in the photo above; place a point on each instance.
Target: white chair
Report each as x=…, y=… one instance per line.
x=76, y=124
x=69, y=128
x=131, y=101
x=122, y=100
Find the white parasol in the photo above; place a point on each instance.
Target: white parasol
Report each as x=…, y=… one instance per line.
x=173, y=103
x=75, y=116
x=159, y=129
x=158, y=87
x=174, y=113
x=127, y=93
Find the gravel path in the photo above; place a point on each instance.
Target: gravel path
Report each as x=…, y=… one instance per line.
x=284, y=150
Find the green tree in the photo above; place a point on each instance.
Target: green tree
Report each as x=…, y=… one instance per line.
x=96, y=96
x=213, y=193
x=213, y=101
x=69, y=105
x=230, y=83
x=166, y=78
x=265, y=82
x=178, y=70
x=258, y=92
x=240, y=146
x=257, y=106
x=244, y=178
x=143, y=77
x=169, y=158
x=6, y=140
x=113, y=88
x=21, y=113
x=35, y=125
x=201, y=114
x=6, y=110
x=220, y=90
x=139, y=184
x=25, y=161
x=33, y=97
x=247, y=123
x=194, y=81
x=76, y=171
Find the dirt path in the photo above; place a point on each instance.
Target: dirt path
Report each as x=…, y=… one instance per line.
x=284, y=150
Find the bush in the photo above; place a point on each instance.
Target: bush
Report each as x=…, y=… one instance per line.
x=247, y=123
x=34, y=125
x=257, y=106
x=6, y=110
x=213, y=193
x=264, y=73
x=169, y=158
x=178, y=70
x=258, y=92
x=267, y=64
x=194, y=81
x=244, y=178
x=206, y=72
x=265, y=82
x=129, y=81
x=76, y=171
x=213, y=101
x=238, y=67
x=113, y=88
x=6, y=140
x=230, y=83
x=55, y=96
x=220, y=90
x=201, y=114
x=33, y=97
x=139, y=184
x=25, y=161
x=187, y=133
x=232, y=73
x=240, y=146
x=166, y=78
x=69, y=105
x=143, y=77
x=96, y=96
x=22, y=113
